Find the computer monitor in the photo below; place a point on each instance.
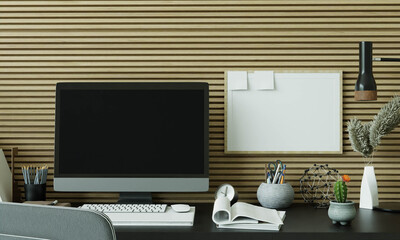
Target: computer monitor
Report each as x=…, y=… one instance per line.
x=132, y=138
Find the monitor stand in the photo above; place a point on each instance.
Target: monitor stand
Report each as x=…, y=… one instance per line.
x=135, y=197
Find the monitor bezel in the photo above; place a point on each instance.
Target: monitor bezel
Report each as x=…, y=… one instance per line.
x=136, y=86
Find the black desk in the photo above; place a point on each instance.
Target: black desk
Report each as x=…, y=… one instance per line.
x=302, y=222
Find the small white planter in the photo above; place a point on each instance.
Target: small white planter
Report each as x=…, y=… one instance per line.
x=343, y=213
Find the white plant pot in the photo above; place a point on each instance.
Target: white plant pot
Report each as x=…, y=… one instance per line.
x=369, y=189
x=343, y=213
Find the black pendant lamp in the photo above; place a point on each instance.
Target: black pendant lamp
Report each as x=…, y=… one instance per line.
x=365, y=87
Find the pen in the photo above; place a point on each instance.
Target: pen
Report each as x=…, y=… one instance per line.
x=268, y=178
x=283, y=173
x=276, y=174
x=279, y=179
x=276, y=180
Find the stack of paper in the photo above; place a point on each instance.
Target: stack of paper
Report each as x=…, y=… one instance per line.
x=5, y=179
x=246, y=216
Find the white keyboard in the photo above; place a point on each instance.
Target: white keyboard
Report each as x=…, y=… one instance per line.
x=127, y=208
x=143, y=214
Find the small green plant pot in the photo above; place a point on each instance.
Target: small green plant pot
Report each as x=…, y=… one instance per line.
x=342, y=213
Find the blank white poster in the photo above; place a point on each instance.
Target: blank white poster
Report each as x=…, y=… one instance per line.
x=301, y=114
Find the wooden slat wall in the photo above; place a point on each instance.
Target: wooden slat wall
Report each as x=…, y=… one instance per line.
x=45, y=42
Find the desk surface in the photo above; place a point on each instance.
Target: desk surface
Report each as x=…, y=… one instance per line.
x=302, y=222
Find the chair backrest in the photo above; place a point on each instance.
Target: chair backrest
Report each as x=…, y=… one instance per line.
x=26, y=221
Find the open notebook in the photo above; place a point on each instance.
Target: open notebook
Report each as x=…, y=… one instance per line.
x=246, y=216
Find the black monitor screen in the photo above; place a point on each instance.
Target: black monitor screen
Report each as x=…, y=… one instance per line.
x=122, y=130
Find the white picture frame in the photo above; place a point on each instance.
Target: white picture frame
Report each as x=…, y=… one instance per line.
x=301, y=113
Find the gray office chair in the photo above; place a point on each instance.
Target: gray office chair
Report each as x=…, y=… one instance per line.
x=25, y=221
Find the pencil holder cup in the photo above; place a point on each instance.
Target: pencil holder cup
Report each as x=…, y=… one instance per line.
x=275, y=195
x=35, y=192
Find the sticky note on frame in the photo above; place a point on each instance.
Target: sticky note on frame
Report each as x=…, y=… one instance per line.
x=237, y=80
x=264, y=80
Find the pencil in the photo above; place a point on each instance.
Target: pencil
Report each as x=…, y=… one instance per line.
x=23, y=173
x=45, y=174
x=28, y=174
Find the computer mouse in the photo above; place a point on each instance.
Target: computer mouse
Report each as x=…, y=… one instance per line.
x=180, y=208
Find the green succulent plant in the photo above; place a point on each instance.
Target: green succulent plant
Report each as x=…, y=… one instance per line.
x=340, y=191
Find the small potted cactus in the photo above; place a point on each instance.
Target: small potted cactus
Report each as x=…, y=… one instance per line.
x=341, y=211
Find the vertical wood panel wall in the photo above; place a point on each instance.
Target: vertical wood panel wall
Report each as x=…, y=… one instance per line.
x=45, y=42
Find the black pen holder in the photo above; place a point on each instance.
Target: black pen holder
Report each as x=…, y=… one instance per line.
x=35, y=192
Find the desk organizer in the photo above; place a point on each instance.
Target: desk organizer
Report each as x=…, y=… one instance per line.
x=275, y=195
x=35, y=192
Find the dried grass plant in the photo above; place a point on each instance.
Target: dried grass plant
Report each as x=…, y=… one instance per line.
x=365, y=137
